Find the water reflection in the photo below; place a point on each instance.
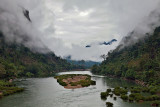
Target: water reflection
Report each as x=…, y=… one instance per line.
x=116, y=82
x=46, y=92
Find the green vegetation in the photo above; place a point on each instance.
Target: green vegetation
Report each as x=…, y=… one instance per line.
x=7, y=88
x=156, y=103
x=118, y=91
x=109, y=90
x=104, y=95
x=19, y=61
x=93, y=82
x=133, y=94
x=139, y=62
x=109, y=104
x=75, y=80
x=115, y=98
x=124, y=97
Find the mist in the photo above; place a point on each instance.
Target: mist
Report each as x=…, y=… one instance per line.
x=65, y=27
x=143, y=29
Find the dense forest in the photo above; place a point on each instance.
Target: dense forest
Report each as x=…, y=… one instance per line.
x=18, y=61
x=139, y=61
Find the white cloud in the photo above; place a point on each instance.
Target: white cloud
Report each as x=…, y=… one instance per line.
x=67, y=26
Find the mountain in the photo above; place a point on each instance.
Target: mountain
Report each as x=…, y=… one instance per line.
x=108, y=43
x=138, y=61
x=103, y=43
x=83, y=64
x=18, y=61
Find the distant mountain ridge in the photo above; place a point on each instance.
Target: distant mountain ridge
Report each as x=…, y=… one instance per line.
x=103, y=43
x=82, y=63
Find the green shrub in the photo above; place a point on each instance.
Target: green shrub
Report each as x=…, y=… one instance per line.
x=123, y=91
x=132, y=95
x=148, y=98
x=145, y=89
x=136, y=90
x=153, y=91
x=136, y=96
x=124, y=97
x=104, y=95
x=111, y=95
x=118, y=91
x=61, y=82
x=115, y=98
x=109, y=90
x=93, y=82
x=73, y=84
x=156, y=103
x=109, y=104
x=139, y=97
x=131, y=99
x=155, y=97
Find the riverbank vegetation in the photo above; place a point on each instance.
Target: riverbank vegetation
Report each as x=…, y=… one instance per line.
x=139, y=62
x=8, y=88
x=17, y=61
x=134, y=94
x=72, y=81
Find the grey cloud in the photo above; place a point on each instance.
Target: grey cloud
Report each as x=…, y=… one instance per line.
x=66, y=26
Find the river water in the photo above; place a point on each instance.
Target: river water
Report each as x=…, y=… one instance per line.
x=46, y=92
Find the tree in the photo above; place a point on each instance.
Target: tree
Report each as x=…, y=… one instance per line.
x=103, y=56
x=2, y=71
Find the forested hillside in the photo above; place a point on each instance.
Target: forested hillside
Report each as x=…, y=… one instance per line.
x=18, y=61
x=140, y=61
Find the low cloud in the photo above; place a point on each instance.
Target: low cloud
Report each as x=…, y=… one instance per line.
x=67, y=26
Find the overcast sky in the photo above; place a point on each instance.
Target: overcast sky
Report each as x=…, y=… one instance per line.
x=67, y=26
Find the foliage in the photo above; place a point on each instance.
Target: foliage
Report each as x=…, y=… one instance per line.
x=93, y=82
x=118, y=91
x=133, y=94
x=124, y=97
x=19, y=61
x=115, y=98
x=140, y=61
x=7, y=88
x=84, y=82
x=109, y=90
x=109, y=104
x=104, y=95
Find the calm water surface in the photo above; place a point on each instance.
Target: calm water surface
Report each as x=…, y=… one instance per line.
x=46, y=92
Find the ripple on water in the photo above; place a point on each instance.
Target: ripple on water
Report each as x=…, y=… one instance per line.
x=46, y=92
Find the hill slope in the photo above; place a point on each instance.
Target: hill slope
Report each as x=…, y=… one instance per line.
x=140, y=61
x=17, y=61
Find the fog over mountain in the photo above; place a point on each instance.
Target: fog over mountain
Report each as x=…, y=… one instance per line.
x=67, y=26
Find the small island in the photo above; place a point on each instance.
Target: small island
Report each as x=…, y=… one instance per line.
x=8, y=88
x=73, y=81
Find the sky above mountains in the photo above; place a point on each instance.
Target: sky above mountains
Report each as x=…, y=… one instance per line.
x=67, y=26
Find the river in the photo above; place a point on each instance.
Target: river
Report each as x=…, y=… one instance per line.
x=46, y=92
